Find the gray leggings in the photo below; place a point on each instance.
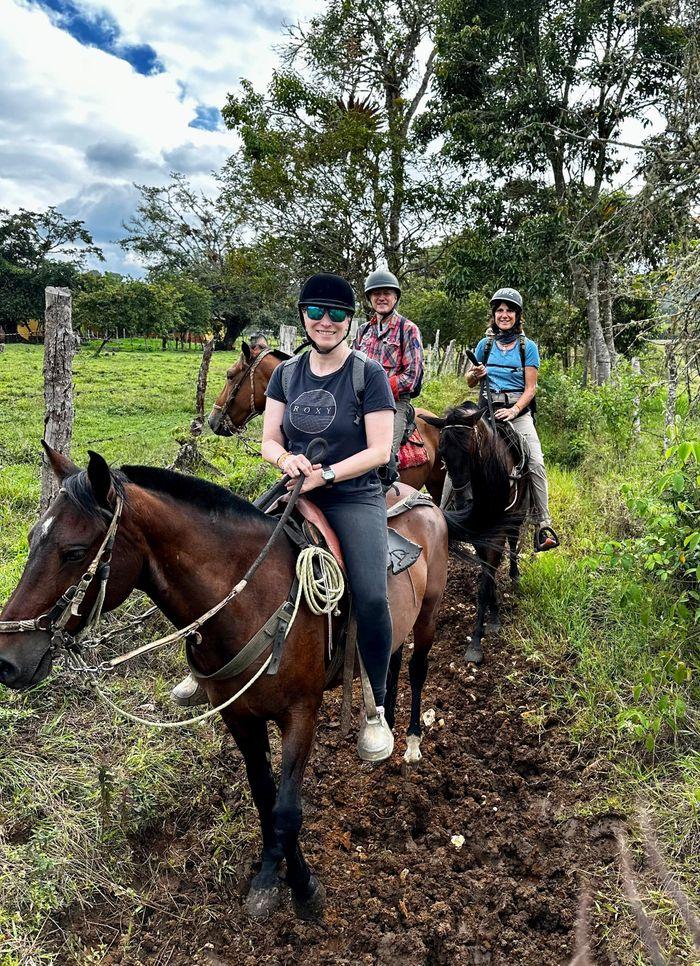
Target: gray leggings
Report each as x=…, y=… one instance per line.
x=361, y=530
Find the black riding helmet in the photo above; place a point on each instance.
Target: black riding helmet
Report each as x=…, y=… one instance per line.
x=329, y=292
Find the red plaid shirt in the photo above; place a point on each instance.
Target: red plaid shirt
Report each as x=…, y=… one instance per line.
x=384, y=345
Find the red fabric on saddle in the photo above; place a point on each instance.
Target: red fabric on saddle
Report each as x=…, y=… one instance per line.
x=413, y=452
x=316, y=517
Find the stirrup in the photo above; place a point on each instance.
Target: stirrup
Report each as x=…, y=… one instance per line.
x=545, y=539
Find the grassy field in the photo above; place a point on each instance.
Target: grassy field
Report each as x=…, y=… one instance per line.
x=83, y=798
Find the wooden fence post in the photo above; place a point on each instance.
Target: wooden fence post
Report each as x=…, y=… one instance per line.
x=2, y=339
x=189, y=457
x=288, y=336
x=59, y=349
x=447, y=364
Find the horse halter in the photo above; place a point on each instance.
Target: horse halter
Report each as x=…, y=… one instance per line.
x=248, y=372
x=54, y=620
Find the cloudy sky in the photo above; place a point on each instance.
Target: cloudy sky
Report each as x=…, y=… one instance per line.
x=95, y=96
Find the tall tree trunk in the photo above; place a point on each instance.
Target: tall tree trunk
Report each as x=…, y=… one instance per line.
x=59, y=349
x=606, y=308
x=601, y=371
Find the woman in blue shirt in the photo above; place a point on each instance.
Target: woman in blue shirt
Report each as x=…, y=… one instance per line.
x=513, y=387
x=319, y=400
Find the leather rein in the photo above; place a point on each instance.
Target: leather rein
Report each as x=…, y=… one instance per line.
x=248, y=373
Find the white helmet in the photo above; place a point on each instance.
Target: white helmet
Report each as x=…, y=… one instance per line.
x=511, y=295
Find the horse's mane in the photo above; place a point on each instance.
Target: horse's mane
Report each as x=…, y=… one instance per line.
x=489, y=466
x=189, y=489
x=278, y=354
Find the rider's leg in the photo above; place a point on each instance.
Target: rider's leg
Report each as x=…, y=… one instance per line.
x=538, y=478
x=402, y=404
x=361, y=530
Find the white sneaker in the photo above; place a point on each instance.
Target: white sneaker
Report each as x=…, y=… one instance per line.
x=375, y=741
x=188, y=693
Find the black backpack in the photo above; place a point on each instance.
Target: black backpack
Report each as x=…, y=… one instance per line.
x=416, y=391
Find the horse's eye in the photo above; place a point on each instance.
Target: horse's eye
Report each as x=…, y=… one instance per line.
x=73, y=554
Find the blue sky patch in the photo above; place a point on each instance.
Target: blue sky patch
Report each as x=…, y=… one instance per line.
x=206, y=117
x=100, y=29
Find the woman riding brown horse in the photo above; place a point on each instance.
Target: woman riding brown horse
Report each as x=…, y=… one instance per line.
x=186, y=542
x=243, y=397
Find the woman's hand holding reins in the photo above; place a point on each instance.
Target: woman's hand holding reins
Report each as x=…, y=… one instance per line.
x=313, y=479
x=295, y=464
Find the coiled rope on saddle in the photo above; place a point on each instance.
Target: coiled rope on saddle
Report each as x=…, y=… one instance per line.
x=322, y=592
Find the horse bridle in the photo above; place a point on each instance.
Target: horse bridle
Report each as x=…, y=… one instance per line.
x=55, y=619
x=249, y=372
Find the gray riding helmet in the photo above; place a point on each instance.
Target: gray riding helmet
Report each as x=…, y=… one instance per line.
x=511, y=295
x=382, y=278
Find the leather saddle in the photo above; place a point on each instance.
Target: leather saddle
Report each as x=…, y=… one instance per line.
x=311, y=526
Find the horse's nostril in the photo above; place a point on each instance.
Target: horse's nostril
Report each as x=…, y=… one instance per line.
x=7, y=672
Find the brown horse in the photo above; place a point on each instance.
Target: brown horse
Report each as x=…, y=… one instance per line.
x=185, y=542
x=243, y=397
x=479, y=460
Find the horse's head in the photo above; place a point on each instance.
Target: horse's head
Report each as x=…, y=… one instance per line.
x=243, y=395
x=460, y=430
x=62, y=546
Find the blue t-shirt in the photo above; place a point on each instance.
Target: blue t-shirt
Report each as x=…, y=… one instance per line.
x=325, y=406
x=508, y=380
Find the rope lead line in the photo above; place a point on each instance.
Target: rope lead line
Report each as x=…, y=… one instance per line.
x=322, y=595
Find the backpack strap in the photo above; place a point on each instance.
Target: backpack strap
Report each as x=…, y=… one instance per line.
x=521, y=340
x=358, y=374
x=287, y=373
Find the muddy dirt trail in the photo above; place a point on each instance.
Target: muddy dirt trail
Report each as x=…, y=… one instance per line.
x=495, y=771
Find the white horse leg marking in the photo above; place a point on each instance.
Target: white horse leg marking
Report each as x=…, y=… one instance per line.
x=412, y=753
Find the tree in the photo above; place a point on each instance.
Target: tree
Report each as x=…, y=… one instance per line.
x=183, y=233
x=540, y=92
x=38, y=249
x=329, y=152
x=110, y=303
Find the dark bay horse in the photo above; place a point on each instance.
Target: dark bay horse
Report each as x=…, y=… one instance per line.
x=186, y=542
x=477, y=455
x=243, y=397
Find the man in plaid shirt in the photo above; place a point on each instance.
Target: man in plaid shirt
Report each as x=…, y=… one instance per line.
x=394, y=342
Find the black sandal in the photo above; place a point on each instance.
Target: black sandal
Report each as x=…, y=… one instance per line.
x=545, y=539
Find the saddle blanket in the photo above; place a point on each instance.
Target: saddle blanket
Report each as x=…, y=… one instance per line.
x=412, y=452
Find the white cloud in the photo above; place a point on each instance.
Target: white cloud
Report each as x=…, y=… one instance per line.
x=79, y=125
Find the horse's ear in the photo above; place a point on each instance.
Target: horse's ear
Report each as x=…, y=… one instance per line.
x=470, y=417
x=100, y=479
x=60, y=464
x=245, y=349
x=437, y=421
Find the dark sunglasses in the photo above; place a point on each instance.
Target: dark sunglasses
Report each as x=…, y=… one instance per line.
x=316, y=313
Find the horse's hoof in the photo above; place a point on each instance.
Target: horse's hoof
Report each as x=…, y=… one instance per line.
x=311, y=907
x=413, y=752
x=261, y=903
x=474, y=654
x=493, y=627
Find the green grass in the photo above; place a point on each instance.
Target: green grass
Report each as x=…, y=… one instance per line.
x=606, y=642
